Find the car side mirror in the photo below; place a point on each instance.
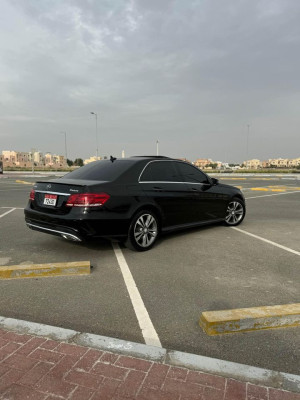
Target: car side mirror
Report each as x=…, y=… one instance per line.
x=215, y=181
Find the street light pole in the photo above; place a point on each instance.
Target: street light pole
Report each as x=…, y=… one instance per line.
x=66, y=154
x=248, y=129
x=97, y=152
x=157, y=147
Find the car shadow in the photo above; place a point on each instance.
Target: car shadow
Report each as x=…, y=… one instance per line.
x=184, y=232
x=103, y=244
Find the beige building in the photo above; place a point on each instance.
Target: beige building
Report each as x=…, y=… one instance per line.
x=15, y=158
x=23, y=159
x=273, y=163
x=202, y=162
x=38, y=158
x=26, y=159
x=278, y=162
x=55, y=161
x=252, y=164
x=48, y=160
x=91, y=159
x=9, y=157
x=295, y=162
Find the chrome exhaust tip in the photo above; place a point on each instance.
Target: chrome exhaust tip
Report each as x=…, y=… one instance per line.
x=69, y=236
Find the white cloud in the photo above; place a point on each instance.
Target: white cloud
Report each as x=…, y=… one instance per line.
x=178, y=70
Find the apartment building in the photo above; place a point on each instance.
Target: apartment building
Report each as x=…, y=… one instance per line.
x=15, y=158
x=252, y=164
x=278, y=162
x=273, y=163
x=9, y=157
x=38, y=158
x=294, y=162
x=26, y=159
x=202, y=162
x=91, y=159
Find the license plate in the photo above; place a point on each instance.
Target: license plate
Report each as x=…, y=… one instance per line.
x=50, y=199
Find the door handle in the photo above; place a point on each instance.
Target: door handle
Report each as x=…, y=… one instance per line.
x=157, y=189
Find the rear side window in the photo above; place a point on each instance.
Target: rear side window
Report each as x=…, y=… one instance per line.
x=160, y=171
x=101, y=170
x=190, y=173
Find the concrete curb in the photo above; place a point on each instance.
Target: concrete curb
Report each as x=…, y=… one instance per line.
x=250, y=319
x=45, y=270
x=246, y=373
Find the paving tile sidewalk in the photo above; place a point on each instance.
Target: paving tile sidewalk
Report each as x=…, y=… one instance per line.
x=37, y=368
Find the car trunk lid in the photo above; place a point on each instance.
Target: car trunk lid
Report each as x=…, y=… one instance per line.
x=52, y=196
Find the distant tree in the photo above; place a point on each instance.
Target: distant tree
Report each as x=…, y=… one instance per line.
x=78, y=162
x=212, y=165
x=70, y=162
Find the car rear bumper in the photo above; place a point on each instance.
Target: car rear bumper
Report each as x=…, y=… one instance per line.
x=66, y=233
x=77, y=228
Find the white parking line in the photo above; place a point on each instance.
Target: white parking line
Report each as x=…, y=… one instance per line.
x=16, y=208
x=148, y=330
x=7, y=212
x=267, y=241
x=268, y=195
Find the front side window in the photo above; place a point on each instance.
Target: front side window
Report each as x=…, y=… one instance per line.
x=160, y=171
x=191, y=174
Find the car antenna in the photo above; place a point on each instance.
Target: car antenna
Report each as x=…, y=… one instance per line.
x=112, y=159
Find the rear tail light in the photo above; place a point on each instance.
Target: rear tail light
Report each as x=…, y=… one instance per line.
x=87, y=199
x=32, y=195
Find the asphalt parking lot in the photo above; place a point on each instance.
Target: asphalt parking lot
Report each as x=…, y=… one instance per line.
x=210, y=268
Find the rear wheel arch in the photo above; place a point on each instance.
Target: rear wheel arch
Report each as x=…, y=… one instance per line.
x=144, y=229
x=152, y=208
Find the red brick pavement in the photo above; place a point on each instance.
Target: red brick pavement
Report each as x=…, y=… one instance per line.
x=35, y=368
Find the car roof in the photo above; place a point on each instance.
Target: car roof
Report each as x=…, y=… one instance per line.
x=145, y=158
x=156, y=157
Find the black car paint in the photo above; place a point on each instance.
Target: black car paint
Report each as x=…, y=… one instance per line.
x=177, y=204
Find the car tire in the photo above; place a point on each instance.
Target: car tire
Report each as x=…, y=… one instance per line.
x=143, y=231
x=235, y=213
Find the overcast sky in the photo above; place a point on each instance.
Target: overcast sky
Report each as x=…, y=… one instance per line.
x=189, y=73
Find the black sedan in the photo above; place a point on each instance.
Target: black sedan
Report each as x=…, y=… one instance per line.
x=131, y=199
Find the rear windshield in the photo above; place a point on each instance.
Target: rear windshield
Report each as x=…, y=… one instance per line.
x=101, y=170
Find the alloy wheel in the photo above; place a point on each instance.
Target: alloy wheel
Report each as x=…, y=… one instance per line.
x=145, y=230
x=235, y=213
